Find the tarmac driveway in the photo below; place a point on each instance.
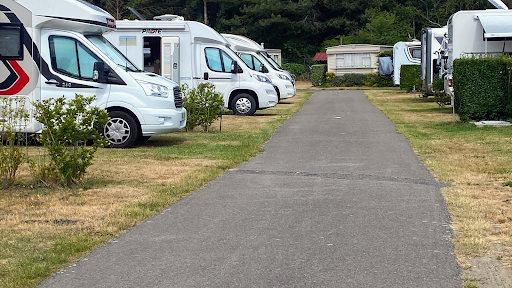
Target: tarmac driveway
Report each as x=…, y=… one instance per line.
x=337, y=199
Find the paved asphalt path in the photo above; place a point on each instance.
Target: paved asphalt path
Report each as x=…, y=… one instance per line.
x=338, y=199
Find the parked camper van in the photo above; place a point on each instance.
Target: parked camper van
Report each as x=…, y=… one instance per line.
x=476, y=32
x=54, y=48
x=405, y=53
x=255, y=58
x=431, y=39
x=190, y=52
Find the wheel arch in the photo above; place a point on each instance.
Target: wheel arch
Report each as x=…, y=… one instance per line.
x=240, y=91
x=127, y=111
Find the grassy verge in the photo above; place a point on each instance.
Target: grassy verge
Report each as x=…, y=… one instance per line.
x=475, y=161
x=43, y=229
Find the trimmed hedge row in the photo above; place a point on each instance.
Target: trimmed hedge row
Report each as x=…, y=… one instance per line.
x=355, y=79
x=410, y=77
x=482, y=88
x=296, y=69
x=318, y=74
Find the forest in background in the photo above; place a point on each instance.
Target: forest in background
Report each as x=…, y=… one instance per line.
x=303, y=27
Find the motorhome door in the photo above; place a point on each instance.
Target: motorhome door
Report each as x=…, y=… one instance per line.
x=216, y=66
x=171, y=58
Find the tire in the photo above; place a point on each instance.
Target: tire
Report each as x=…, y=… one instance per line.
x=121, y=130
x=243, y=104
x=278, y=95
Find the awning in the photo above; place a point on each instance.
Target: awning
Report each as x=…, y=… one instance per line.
x=320, y=56
x=496, y=25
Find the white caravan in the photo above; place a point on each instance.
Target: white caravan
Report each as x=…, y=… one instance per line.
x=190, y=52
x=255, y=58
x=405, y=53
x=476, y=32
x=431, y=39
x=55, y=48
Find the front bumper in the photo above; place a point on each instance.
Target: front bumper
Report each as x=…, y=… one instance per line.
x=161, y=121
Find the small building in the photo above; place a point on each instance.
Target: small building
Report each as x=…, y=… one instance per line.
x=354, y=58
x=275, y=54
x=320, y=57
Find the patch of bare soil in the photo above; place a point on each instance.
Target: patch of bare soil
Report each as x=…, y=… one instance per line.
x=489, y=272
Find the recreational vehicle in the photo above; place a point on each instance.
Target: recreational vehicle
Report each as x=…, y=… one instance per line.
x=190, y=52
x=431, y=39
x=255, y=58
x=55, y=48
x=476, y=33
x=405, y=53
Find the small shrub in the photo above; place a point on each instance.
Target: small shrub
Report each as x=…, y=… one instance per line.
x=318, y=74
x=68, y=126
x=353, y=79
x=376, y=80
x=410, y=77
x=329, y=76
x=337, y=81
x=12, y=156
x=203, y=105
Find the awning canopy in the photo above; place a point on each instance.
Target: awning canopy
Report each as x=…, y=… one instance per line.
x=496, y=26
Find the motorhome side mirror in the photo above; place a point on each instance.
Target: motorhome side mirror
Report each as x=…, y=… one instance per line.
x=98, y=73
x=234, y=67
x=263, y=69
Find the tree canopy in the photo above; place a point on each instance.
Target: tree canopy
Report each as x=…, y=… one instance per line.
x=303, y=27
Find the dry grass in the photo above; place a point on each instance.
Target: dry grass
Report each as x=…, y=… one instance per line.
x=43, y=228
x=475, y=161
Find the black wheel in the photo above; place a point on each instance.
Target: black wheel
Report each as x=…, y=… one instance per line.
x=243, y=104
x=121, y=130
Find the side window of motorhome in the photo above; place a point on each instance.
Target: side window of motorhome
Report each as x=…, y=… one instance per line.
x=71, y=58
x=247, y=58
x=251, y=61
x=415, y=52
x=11, y=47
x=217, y=60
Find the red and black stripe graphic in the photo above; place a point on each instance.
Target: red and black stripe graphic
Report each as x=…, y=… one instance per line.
x=18, y=78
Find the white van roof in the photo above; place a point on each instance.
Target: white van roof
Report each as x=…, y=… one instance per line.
x=199, y=32
x=75, y=15
x=242, y=43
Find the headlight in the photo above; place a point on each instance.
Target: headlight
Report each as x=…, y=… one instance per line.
x=284, y=77
x=263, y=79
x=154, y=90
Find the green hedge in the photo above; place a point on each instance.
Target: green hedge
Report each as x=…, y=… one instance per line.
x=482, y=88
x=318, y=74
x=296, y=69
x=410, y=77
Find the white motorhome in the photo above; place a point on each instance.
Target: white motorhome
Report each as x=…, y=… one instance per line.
x=55, y=48
x=190, y=52
x=431, y=39
x=255, y=58
x=476, y=33
x=405, y=53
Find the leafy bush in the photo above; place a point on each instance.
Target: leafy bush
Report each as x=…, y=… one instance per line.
x=410, y=77
x=338, y=81
x=329, y=76
x=296, y=69
x=68, y=126
x=15, y=117
x=376, y=80
x=387, y=53
x=482, y=88
x=353, y=79
x=318, y=74
x=203, y=105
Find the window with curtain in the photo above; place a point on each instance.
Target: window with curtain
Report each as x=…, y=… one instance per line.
x=353, y=60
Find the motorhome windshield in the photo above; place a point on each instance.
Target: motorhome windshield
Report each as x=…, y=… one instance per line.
x=275, y=63
x=267, y=61
x=112, y=53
